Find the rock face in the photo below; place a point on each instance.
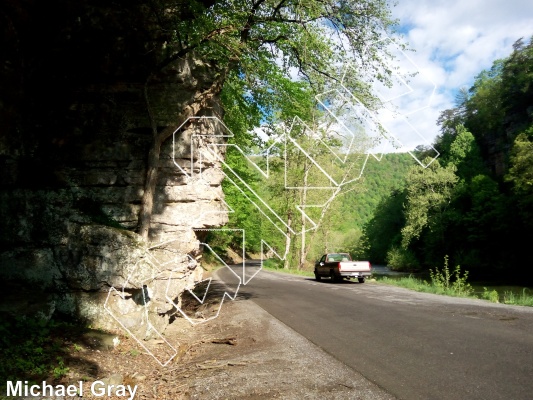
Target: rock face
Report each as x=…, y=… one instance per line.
x=74, y=139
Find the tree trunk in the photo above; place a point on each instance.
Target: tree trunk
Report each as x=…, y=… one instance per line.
x=147, y=201
x=287, y=242
x=303, y=202
x=319, y=222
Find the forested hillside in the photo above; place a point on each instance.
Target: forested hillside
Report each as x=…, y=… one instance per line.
x=341, y=225
x=475, y=203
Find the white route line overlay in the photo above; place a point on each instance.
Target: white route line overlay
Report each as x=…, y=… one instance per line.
x=156, y=271
x=370, y=118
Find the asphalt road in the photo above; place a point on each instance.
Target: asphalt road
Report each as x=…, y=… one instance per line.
x=413, y=345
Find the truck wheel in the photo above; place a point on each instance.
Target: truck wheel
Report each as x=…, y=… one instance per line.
x=333, y=276
x=361, y=280
x=317, y=277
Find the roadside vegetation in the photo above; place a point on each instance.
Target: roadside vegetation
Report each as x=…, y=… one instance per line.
x=420, y=285
x=523, y=299
x=37, y=348
x=442, y=281
x=277, y=266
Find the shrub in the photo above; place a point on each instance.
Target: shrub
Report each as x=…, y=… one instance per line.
x=32, y=348
x=491, y=295
x=523, y=299
x=400, y=259
x=451, y=283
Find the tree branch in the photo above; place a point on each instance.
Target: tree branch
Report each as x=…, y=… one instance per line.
x=183, y=52
x=245, y=33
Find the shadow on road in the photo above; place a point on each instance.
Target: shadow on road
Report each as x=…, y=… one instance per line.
x=330, y=281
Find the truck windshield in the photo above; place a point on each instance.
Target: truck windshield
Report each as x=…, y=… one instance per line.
x=339, y=257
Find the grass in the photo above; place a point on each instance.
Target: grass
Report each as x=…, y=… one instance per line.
x=277, y=266
x=419, y=285
x=523, y=299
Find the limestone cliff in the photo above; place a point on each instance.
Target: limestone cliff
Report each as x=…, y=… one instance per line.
x=79, y=104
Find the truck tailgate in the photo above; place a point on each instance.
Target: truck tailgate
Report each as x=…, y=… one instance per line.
x=355, y=266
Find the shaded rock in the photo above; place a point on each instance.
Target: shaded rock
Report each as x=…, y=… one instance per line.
x=74, y=139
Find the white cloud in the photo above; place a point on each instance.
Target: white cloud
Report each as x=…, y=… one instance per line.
x=455, y=40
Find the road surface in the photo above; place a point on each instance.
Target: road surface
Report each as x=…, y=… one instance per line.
x=413, y=345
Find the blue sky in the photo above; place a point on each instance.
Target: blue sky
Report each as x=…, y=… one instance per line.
x=453, y=41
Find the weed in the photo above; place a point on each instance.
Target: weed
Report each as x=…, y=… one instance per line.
x=60, y=370
x=491, y=295
x=451, y=284
x=523, y=299
x=442, y=282
x=134, y=352
x=32, y=349
x=409, y=282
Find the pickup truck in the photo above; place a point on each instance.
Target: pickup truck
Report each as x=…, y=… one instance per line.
x=340, y=265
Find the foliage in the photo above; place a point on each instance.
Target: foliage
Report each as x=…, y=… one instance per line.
x=383, y=231
x=491, y=295
x=476, y=202
x=408, y=282
x=442, y=282
x=341, y=226
x=272, y=263
x=521, y=171
x=521, y=175
x=265, y=59
x=33, y=348
x=429, y=193
x=497, y=108
x=447, y=281
x=464, y=153
x=411, y=216
x=277, y=266
x=524, y=299
x=412, y=283
x=381, y=181
x=264, y=45
x=401, y=259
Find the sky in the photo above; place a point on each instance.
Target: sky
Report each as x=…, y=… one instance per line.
x=453, y=41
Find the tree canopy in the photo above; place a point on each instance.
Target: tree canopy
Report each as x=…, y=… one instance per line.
x=269, y=58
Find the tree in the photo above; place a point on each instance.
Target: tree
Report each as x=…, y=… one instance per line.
x=429, y=194
x=261, y=43
x=465, y=155
x=384, y=229
x=517, y=88
x=521, y=174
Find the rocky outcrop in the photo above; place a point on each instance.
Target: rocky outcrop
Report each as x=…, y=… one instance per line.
x=73, y=158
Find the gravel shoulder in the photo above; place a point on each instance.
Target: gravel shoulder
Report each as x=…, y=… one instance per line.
x=270, y=360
